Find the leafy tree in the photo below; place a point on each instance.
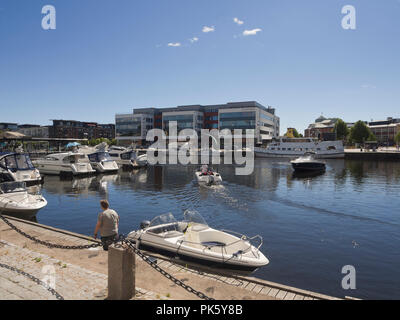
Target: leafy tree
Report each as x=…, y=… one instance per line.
x=359, y=132
x=341, y=129
x=295, y=133
x=95, y=142
x=371, y=137
x=397, y=138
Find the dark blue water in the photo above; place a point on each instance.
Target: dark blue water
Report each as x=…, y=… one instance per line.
x=312, y=226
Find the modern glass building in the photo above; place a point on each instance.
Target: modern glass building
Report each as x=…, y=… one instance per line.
x=233, y=115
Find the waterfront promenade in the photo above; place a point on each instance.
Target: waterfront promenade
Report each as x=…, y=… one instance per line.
x=390, y=153
x=82, y=274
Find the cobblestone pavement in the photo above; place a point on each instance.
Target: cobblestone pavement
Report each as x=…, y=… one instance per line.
x=82, y=274
x=70, y=281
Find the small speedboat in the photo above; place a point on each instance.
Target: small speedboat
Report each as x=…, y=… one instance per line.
x=208, y=176
x=307, y=162
x=14, y=198
x=17, y=166
x=102, y=162
x=193, y=240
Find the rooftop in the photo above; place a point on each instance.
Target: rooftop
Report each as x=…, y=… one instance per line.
x=204, y=108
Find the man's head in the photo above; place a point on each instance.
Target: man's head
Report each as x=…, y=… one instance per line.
x=104, y=204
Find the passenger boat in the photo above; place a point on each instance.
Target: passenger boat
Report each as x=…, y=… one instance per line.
x=193, y=240
x=68, y=163
x=18, y=167
x=295, y=147
x=14, y=198
x=208, y=176
x=128, y=157
x=307, y=162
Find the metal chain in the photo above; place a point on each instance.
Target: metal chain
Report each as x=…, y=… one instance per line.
x=48, y=244
x=121, y=240
x=164, y=273
x=34, y=279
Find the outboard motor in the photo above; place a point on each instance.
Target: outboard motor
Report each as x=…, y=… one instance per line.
x=144, y=224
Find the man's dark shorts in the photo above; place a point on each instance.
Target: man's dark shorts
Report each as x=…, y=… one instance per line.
x=107, y=241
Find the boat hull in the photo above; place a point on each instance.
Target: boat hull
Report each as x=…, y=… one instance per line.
x=199, y=261
x=338, y=155
x=314, y=166
x=208, y=179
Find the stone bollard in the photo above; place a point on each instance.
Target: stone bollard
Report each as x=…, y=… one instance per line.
x=121, y=273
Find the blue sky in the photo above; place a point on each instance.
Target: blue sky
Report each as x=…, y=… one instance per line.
x=107, y=57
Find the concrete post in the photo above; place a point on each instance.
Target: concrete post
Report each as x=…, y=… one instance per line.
x=121, y=273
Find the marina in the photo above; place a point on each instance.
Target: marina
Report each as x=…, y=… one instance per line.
x=200, y=150
x=296, y=215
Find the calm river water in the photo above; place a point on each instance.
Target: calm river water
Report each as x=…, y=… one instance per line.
x=312, y=226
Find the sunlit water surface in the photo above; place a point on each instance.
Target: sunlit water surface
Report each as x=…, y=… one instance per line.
x=311, y=226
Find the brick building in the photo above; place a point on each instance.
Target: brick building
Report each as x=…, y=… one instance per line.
x=81, y=130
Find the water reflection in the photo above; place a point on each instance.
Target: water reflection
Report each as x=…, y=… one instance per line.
x=309, y=223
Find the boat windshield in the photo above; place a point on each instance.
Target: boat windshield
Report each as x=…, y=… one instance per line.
x=76, y=158
x=10, y=187
x=308, y=155
x=163, y=219
x=99, y=157
x=192, y=216
x=131, y=155
x=16, y=162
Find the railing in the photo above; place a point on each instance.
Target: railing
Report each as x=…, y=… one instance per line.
x=242, y=237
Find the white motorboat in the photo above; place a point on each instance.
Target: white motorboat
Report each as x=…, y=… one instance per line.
x=296, y=147
x=193, y=240
x=18, y=167
x=100, y=158
x=102, y=162
x=14, y=198
x=307, y=162
x=208, y=176
x=128, y=157
x=68, y=163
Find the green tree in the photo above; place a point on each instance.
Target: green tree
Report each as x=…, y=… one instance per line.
x=359, y=132
x=397, y=138
x=371, y=137
x=341, y=130
x=295, y=134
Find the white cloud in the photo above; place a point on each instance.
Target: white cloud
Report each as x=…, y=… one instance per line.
x=368, y=86
x=174, y=44
x=251, y=32
x=194, y=39
x=239, y=22
x=208, y=29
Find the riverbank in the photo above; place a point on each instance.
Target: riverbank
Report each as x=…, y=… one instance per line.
x=82, y=274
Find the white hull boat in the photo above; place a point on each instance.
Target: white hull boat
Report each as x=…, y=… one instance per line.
x=68, y=163
x=193, y=240
x=128, y=157
x=15, y=199
x=102, y=162
x=296, y=147
x=18, y=167
x=209, y=177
